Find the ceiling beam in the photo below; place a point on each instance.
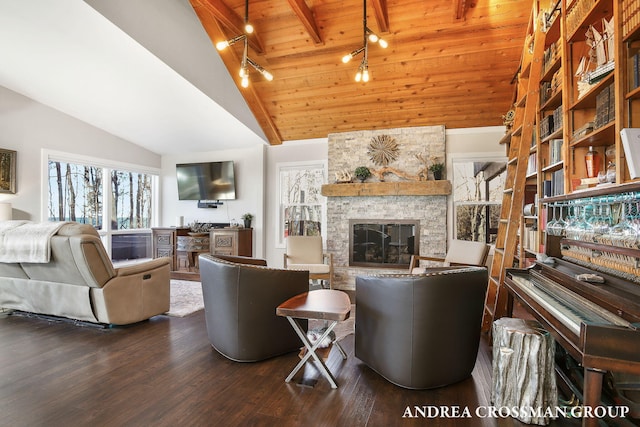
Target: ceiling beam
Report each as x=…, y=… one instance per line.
x=232, y=61
x=305, y=15
x=233, y=22
x=460, y=8
x=382, y=15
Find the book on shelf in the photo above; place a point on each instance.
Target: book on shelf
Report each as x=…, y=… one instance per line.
x=630, y=16
x=546, y=126
x=583, y=130
x=529, y=239
x=555, y=185
x=545, y=92
x=532, y=164
x=605, y=106
x=557, y=118
x=631, y=145
x=600, y=72
x=555, y=151
x=635, y=71
x=557, y=182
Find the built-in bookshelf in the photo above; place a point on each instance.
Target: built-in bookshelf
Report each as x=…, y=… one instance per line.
x=589, y=92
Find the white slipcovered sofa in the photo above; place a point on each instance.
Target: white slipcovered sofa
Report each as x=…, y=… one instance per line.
x=79, y=281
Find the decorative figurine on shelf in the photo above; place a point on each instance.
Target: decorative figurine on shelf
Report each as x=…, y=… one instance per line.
x=362, y=173
x=508, y=119
x=343, y=176
x=247, y=220
x=198, y=228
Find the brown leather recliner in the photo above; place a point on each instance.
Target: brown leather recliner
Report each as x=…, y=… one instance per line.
x=421, y=331
x=240, y=300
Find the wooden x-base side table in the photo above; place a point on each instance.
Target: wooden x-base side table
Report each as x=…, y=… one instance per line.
x=322, y=304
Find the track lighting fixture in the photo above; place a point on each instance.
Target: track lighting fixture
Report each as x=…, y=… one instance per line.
x=368, y=36
x=246, y=61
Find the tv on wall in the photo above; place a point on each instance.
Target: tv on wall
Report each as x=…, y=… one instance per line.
x=206, y=181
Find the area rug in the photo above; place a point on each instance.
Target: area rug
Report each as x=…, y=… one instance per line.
x=342, y=329
x=186, y=298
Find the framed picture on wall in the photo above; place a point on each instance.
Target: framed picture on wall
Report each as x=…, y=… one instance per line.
x=7, y=171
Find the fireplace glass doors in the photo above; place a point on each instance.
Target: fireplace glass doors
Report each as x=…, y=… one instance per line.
x=383, y=243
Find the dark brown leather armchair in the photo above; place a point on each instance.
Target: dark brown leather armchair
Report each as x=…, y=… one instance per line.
x=240, y=300
x=421, y=331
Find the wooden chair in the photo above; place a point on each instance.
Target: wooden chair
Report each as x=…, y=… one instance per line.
x=460, y=252
x=306, y=253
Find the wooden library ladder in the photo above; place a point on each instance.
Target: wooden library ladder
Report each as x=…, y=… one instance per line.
x=496, y=303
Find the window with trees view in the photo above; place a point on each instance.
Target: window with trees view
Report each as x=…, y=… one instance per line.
x=302, y=208
x=477, y=195
x=76, y=193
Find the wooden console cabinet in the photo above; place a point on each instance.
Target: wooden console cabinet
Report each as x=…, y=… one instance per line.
x=164, y=241
x=176, y=243
x=232, y=241
x=183, y=247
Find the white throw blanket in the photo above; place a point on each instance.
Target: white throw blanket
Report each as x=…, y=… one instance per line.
x=25, y=241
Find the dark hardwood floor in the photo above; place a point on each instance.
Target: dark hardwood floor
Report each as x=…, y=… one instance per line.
x=163, y=372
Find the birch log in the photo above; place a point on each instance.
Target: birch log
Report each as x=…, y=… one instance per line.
x=523, y=369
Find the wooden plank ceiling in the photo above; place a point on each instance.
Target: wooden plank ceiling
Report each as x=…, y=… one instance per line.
x=449, y=62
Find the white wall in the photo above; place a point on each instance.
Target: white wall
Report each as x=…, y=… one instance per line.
x=171, y=30
x=249, y=173
x=27, y=127
x=475, y=142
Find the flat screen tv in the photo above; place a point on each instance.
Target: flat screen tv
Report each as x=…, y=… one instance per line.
x=206, y=181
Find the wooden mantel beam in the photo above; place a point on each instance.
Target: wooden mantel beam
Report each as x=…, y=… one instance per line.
x=382, y=15
x=305, y=15
x=230, y=20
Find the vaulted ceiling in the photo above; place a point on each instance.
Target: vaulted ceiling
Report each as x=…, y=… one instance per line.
x=449, y=62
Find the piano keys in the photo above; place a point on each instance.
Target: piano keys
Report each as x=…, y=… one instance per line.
x=570, y=308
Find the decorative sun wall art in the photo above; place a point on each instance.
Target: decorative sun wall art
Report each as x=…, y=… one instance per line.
x=383, y=149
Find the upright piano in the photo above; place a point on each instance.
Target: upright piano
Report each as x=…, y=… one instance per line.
x=598, y=324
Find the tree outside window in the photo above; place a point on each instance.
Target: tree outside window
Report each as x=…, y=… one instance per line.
x=131, y=200
x=478, y=189
x=76, y=193
x=302, y=208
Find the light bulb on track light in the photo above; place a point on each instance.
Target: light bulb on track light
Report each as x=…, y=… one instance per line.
x=368, y=36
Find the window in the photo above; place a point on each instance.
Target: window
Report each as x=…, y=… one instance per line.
x=131, y=200
x=76, y=189
x=301, y=208
x=75, y=193
x=477, y=197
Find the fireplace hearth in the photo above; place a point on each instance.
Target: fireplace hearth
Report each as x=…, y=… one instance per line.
x=383, y=243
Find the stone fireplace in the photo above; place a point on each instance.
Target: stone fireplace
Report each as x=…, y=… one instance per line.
x=382, y=243
x=428, y=212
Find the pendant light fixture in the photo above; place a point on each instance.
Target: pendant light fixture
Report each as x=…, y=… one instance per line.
x=246, y=61
x=368, y=36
